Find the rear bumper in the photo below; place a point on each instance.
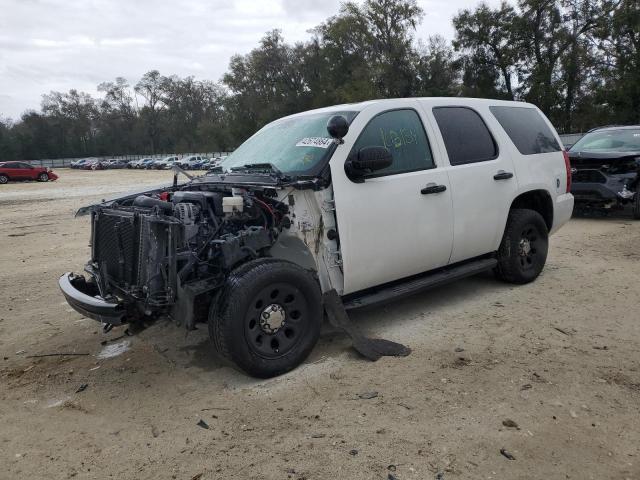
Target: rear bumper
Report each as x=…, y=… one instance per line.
x=75, y=290
x=563, y=209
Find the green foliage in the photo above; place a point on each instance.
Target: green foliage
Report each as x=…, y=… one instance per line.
x=578, y=60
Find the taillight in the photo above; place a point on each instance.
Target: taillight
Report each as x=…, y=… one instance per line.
x=567, y=164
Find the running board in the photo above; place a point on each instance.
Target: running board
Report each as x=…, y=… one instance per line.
x=396, y=291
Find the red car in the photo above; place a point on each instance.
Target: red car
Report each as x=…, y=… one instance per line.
x=24, y=171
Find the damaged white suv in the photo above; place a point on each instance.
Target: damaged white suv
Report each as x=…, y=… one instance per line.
x=362, y=203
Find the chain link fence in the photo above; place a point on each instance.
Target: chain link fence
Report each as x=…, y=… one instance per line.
x=66, y=162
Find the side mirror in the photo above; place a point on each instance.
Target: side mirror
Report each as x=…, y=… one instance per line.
x=368, y=159
x=338, y=127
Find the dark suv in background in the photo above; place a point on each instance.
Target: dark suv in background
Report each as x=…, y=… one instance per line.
x=605, y=169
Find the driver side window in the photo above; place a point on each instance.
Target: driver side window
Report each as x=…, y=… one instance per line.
x=402, y=133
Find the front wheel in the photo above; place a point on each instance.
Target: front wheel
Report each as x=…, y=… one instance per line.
x=523, y=250
x=268, y=317
x=43, y=177
x=3, y=179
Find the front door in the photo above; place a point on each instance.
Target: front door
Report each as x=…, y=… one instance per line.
x=398, y=222
x=16, y=171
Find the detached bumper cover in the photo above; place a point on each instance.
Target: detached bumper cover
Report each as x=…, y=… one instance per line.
x=90, y=306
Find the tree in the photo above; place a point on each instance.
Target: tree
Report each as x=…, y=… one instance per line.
x=437, y=70
x=150, y=88
x=618, y=41
x=489, y=35
x=548, y=29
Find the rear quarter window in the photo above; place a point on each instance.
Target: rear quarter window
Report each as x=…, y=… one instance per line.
x=466, y=137
x=527, y=129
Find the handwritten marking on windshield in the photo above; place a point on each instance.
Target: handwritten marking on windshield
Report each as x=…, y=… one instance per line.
x=399, y=138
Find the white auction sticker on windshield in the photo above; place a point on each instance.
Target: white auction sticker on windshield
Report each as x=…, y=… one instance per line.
x=319, y=142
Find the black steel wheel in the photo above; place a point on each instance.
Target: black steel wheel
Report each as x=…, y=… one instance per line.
x=276, y=320
x=268, y=317
x=523, y=250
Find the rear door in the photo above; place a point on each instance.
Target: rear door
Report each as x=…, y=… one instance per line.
x=483, y=182
x=395, y=223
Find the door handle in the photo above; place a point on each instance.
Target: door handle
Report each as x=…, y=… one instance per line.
x=502, y=175
x=433, y=188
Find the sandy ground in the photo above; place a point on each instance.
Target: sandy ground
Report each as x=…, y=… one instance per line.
x=558, y=360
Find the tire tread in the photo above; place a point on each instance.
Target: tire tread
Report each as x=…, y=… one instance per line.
x=506, y=269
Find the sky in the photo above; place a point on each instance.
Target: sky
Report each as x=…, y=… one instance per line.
x=57, y=45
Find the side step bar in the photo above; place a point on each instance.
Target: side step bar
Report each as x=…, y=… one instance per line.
x=395, y=291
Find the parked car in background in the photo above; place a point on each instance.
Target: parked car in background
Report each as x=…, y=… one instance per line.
x=165, y=163
x=189, y=162
x=88, y=165
x=99, y=165
x=199, y=165
x=79, y=163
x=116, y=163
x=606, y=169
x=139, y=163
x=204, y=164
x=146, y=163
x=10, y=171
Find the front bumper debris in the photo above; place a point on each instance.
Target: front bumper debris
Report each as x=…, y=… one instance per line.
x=84, y=299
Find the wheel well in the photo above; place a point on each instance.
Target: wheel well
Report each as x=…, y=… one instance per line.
x=538, y=200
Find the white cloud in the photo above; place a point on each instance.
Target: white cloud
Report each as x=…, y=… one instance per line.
x=61, y=44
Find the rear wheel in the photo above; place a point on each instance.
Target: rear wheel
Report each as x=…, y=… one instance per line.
x=268, y=318
x=523, y=250
x=43, y=177
x=3, y=179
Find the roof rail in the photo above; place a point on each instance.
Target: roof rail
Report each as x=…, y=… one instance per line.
x=604, y=126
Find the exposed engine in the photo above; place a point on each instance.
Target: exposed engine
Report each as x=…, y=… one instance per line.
x=160, y=251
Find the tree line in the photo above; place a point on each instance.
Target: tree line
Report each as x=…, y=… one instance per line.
x=578, y=60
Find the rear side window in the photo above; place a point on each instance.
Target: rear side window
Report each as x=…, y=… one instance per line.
x=465, y=135
x=527, y=129
x=402, y=133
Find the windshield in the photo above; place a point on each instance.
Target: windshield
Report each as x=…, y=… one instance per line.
x=292, y=145
x=624, y=140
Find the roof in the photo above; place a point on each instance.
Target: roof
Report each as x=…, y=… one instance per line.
x=468, y=101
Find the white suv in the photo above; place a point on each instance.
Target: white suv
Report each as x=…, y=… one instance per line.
x=349, y=206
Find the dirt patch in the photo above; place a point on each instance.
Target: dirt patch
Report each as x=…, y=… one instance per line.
x=483, y=352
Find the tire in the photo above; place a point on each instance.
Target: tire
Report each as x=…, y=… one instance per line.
x=523, y=250
x=43, y=177
x=257, y=291
x=636, y=204
x=3, y=179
